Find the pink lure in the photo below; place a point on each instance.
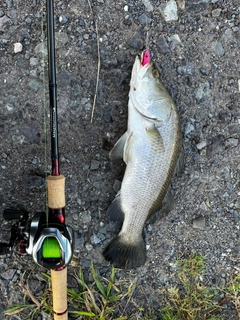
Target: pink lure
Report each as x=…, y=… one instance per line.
x=146, y=57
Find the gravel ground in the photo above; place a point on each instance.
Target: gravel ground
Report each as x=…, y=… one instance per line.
x=195, y=44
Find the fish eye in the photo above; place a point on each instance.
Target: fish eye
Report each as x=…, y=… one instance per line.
x=155, y=73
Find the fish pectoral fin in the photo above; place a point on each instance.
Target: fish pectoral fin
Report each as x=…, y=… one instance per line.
x=115, y=211
x=128, y=148
x=155, y=139
x=117, y=150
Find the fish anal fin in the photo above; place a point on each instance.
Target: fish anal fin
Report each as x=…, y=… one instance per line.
x=125, y=255
x=115, y=211
x=118, y=149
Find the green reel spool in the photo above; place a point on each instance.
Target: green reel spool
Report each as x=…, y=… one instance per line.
x=51, y=248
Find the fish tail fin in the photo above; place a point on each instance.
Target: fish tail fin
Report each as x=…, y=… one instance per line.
x=125, y=255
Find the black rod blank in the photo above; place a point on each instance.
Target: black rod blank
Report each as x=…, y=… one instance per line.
x=52, y=87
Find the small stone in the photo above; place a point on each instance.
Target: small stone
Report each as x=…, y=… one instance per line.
x=188, y=69
x=216, y=12
x=17, y=47
x=231, y=143
x=197, y=5
x=125, y=8
x=41, y=49
x=175, y=39
x=95, y=239
x=202, y=91
x=117, y=185
x=201, y=145
x=169, y=11
x=215, y=145
x=148, y=5
x=94, y=165
x=144, y=19
x=75, y=216
x=237, y=250
x=88, y=246
x=3, y=20
x=61, y=38
x=204, y=71
x=239, y=85
x=64, y=78
x=33, y=61
x=189, y=127
x=162, y=45
x=107, y=115
x=203, y=206
x=85, y=218
x=199, y=223
x=218, y=48
x=149, y=228
x=235, y=213
x=135, y=42
x=224, y=117
x=86, y=36
x=34, y=84
x=63, y=19
x=8, y=274
x=28, y=20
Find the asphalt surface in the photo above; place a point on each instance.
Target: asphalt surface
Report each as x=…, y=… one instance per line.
x=195, y=45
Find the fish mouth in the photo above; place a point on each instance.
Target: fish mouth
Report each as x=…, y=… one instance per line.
x=145, y=57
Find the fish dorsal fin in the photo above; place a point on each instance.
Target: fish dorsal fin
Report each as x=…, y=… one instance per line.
x=118, y=149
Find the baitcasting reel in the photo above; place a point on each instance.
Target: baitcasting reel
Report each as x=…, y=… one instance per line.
x=50, y=244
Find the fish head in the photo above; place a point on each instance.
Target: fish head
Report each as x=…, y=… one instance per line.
x=147, y=94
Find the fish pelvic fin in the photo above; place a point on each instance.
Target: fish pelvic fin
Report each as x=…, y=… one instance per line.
x=125, y=255
x=118, y=149
x=115, y=211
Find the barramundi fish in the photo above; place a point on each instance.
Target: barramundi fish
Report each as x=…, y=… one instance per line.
x=151, y=149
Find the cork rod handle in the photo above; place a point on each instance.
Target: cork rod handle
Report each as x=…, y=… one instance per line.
x=56, y=200
x=56, y=191
x=59, y=289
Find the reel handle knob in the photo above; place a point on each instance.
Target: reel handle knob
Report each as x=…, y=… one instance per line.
x=13, y=214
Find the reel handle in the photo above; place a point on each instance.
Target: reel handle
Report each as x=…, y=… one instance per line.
x=13, y=214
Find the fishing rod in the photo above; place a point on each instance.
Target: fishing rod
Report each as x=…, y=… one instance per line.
x=45, y=236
